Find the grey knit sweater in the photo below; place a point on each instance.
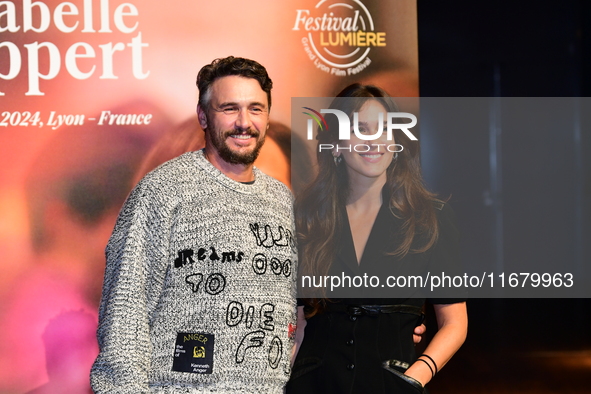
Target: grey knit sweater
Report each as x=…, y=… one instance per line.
x=199, y=291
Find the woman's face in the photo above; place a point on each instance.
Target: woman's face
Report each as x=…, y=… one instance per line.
x=367, y=159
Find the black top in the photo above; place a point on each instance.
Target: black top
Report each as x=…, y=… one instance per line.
x=346, y=352
x=388, y=279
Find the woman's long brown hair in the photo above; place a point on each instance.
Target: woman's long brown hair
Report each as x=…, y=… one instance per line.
x=318, y=209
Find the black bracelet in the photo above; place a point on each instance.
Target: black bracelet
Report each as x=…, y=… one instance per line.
x=433, y=361
x=432, y=374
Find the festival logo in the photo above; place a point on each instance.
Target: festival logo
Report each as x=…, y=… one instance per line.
x=339, y=36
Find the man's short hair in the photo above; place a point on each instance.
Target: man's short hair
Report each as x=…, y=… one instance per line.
x=231, y=66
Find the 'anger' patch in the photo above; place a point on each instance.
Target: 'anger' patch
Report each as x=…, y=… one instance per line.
x=193, y=352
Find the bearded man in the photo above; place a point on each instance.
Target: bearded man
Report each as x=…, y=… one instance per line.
x=199, y=289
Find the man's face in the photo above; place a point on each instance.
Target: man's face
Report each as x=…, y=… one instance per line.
x=236, y=120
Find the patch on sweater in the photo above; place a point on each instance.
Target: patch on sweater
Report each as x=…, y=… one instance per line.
x=193, y=352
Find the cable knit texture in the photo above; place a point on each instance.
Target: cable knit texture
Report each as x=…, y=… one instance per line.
x=199, y=291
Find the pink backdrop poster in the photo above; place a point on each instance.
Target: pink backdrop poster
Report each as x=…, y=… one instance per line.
x=89, y=87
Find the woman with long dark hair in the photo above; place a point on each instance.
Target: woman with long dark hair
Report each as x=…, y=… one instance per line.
x=368, y=211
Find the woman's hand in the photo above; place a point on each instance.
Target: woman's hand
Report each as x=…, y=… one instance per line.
x=418, y=333
x=299, y=337
x=452, y=320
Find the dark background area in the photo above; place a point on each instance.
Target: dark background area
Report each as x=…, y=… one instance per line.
x=518, y=193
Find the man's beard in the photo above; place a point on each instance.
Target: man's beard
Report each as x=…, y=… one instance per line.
x=218, y=141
